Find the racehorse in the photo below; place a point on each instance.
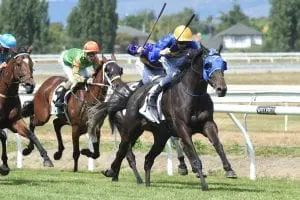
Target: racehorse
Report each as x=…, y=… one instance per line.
x=79, y=100
x=18, y=71
x=187, y=108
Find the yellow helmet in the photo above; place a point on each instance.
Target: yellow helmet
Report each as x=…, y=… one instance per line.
x=186, y=35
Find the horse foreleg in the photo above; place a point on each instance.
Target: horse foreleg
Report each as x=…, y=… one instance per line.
x=30, y=146
x=211, y=131
x=4, y=169
x=76, y=151
x=182, y=168
x=20, y=127
x=160, y=140
x=58, y=124
x=190, y=150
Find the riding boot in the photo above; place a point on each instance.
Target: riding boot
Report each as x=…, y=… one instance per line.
x=153, y=94
x=60, y=98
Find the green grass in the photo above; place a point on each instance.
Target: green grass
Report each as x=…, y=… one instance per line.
x=53, y=184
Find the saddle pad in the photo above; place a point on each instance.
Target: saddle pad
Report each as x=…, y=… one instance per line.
x=54, y=109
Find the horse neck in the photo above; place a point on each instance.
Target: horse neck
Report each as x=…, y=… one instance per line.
x=193, y=83
x=8, y=86
x=95, y=91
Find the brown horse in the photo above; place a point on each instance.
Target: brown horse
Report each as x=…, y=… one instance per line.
x=18, y=71
x=75, y=113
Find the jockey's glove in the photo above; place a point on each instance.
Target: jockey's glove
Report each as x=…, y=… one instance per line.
x=88, y=80
x=165, y=51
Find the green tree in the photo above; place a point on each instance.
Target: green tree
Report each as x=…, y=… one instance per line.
x=284, y=25
x=142, y=20
x=93, y=20
x=234, y=16
x=58, y=38
x=28, y=21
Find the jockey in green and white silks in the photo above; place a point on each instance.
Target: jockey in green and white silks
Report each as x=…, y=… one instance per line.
x=79, y=66
x=8, y=46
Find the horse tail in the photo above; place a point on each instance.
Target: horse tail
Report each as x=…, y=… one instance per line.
x=112, y=124
x=27, y=109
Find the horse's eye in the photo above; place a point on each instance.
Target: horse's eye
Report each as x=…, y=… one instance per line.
x=208, y=65
x=121, y=71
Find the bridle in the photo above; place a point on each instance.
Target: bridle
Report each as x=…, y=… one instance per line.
x=18, y=79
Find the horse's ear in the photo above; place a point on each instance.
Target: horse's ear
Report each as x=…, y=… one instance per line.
x=204, y=49
x=30, y=48
x=104, y=59
x=220, y=48
x=113, y=57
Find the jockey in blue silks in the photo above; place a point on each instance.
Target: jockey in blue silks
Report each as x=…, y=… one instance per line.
x=150, y=69
x=167, y=50
x=8, y=45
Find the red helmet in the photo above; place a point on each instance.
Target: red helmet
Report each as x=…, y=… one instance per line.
x=91, y=46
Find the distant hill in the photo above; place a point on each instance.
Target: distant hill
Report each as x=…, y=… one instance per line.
x=60, y=9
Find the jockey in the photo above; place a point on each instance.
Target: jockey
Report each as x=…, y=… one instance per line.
x=79, y=65
x=167, y=50
x=7, y=46
x=150, y=69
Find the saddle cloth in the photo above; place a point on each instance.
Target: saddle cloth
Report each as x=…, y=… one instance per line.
x=152, y=113
x=55, y=110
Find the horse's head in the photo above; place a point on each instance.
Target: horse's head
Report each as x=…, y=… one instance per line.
x=213, y=67
x=113, y=71
x=21, y=68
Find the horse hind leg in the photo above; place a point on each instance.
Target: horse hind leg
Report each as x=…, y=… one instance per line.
x=211, y=131
x=20, y=127
x=26, y=151
x=160, y=140
x=182, y=168
x=4, y=169
x=131, y=161
x=58, y=124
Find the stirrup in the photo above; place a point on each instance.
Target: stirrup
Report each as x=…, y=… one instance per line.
x=59, y=104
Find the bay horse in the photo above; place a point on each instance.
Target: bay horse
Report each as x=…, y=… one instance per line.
x=18, y=71
x=187, y=108
x=75, y=111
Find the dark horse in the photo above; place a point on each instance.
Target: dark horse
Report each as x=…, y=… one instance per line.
x=188, y=109
x=18, y=71
x=75, y=112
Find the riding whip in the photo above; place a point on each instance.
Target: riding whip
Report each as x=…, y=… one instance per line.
x=186, y=25
x=161, y=11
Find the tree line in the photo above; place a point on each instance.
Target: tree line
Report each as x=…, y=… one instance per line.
x=97, y=20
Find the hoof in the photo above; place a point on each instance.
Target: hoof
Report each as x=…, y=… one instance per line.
x=86, y=152
x=115, y=179
x=231, y=174
x=48, y=163
x=139, y=181
x=57, y=156
x=108, y=173
x=4, y=171
x=182, y=170
x=204, y=186
x=89, y=154
x=26, y=151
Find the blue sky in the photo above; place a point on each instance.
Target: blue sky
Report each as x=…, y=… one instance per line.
x=60, y=9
